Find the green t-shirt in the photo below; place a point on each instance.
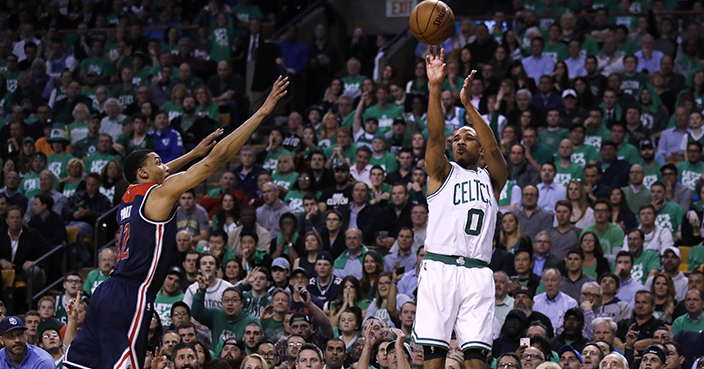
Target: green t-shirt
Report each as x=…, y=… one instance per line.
x=642, y=265
x=506, y=192
x=385, y=116
x=350, y=154
x=352, y=84
x=552, y=138
x=212, y=111
x=245, y=14
x=125, y=96
x=563, y=176
x=96, y=161
x=629, y=47
x=77, y=131
x=272, y=158
x=141, y=78
x=629, y=153
x=93, y=280
x=57, y=165
x=70, y=188
x=589, y=48
x=557, y=52
x=386, y=161
x=285, y=182
x=419, y=88
x=173, y=110
x=30, y=185
x=652, y=175
x=127, y=140
x=255, y=305
x=585, y=154
x=683, y=323
x=294, y=200
x=6, y=104
x=13, y=80
x=327, y=142
x=670, y=217
x=612, y=237
x=272, y=329
x=162, y=305
x=595, y=138
x=689, y=174
x=102, y=66
x=542, y=154
x=221, y=43
x=632, y=84
x=84, y=147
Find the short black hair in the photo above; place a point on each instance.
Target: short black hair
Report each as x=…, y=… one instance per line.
x=219, y=233
x=180, y=346
x=133, y=162
x=45, y=199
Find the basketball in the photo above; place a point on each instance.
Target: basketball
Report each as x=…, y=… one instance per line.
x=432, y=22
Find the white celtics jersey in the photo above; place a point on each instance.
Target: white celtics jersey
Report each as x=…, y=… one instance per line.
x=462, y=215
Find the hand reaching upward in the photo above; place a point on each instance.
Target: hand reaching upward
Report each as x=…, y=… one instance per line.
x=435, y=67
x=465, y=94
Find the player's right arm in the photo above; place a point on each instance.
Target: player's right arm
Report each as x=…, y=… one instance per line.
x=159, y=206
x=436, y=163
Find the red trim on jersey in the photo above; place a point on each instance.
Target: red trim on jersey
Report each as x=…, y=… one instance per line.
x=137, y=190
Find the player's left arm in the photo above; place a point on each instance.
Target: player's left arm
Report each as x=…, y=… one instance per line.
x=203, y=147
x=494, y=159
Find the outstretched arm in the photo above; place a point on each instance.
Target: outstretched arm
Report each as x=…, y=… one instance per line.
x=436, y=164
x=159, y=206
x=494, y=159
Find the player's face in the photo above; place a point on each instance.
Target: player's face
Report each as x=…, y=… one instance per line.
x=231, y=303
x=155, y=169
x=186, y=358
x=465, y=147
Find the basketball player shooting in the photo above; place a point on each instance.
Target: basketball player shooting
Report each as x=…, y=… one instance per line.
x=455, y=286
x=114, y=332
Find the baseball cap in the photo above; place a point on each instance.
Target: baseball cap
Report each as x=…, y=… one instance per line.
x=517, y=314
x=406, y=348
x=48, y=325
x=399, y=120
x=655, y=350
x=27, y=139
x=522, y=290
x=174, y=270
x=569, y=348
x=675, y=250
x=39, y=155
x=280, y=263
x=569, y=92
x=299, y=316
x=576, y=312
x=92, y=72
x=646, y=143
x=11, y=323
x=342, y=166
x=299, y=270
x=324, y=255
x=234, y=341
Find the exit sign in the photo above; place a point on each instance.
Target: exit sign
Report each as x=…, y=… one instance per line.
x=399, y=8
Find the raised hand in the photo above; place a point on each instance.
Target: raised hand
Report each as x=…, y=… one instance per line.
x=435, y=67
x=207, y=143
x=202, y=282
x=159, y=361
x=465, y=93
x=278, y=90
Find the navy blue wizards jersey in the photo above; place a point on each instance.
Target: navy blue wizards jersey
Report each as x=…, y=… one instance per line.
x=144, y=247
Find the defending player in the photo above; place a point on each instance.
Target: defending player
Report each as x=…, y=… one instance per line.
x=456, y=288
x=114, y=333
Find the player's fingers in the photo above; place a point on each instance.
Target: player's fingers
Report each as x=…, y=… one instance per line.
x=442, y=53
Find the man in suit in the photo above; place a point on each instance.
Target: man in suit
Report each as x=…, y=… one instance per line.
x=20, y=247
x=541, y=248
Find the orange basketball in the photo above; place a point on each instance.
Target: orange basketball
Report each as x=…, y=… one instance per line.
x=432, y=22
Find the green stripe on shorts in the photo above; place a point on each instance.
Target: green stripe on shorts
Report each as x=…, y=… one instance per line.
x=429, y=341
x=456, y=260
x=476, y=344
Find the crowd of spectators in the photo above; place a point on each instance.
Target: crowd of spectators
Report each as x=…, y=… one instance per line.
x=309, y=250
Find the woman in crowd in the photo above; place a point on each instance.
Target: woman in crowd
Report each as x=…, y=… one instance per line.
x=664, y=291
x=233, y=271
x=350, y=295
x=419, y=84
x=594, y=264
x=26, y=156
x=78, y=130
x=561, y=77
x=113, y=181
x=203, y=353
x=501, y=62
x=582, y=215
x=465, y=62
x=227, y=216
x=509, y=138
x=520, y=77
x=313, y=244
x=512, y=44
x=385, y=305
x=418, y=146
x=332, y=94
x=206, y=106
x=621, y=214
x=333, y=235
x=74, y=181
x=585, y=97
x=508, y=97
x=254, y=361
x=284, y=175
x=372, y=267
x=511, y=236
x=328, y=131
x=294, y=198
